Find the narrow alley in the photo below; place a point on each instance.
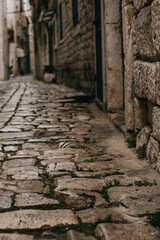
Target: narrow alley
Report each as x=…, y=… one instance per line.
x=66, y=171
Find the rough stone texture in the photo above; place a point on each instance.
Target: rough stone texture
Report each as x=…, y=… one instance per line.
x=112, y=11
x=155, y=8
x=36, y=219
x=5, y=200
x=145, y=80
x=5, y=236
x=109, y=231
x=11, y=149
x=158, y=84
x=133, y=198
x=114, y=73
x=73, y=235
x=143, y=34
x=76, y=68
x=141, y=3
x=24, y=173
x=153, y=150
x=33, y=199
x=19, y=163
x=93, y=215
x=127, y=15
x=143, y=137
x=140, y=113
x=156, y=123
x=79, y=183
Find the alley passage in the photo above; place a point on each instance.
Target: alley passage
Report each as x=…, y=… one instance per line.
x=66, y=172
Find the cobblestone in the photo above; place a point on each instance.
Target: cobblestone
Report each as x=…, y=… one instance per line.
x=66, y=171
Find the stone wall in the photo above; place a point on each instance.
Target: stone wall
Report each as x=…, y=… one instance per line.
x=141, y=31
x=75, y=52
x=3, y=43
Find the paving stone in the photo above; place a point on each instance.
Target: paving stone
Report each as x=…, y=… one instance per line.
x=21, y=135
x=137, y=200
x=11, y=149
x=36, y=146
x=13, y=236
x=5, y=199
x=73, y=235
x=96, y=166
x=33, y=199
x=139, y=231
x=10, y=129
x=54, y=160
x=68, y=166
x=31, y=186
x=79, y=183
x=8, y=185
x=36, y=219
x=28, y=152
x=19, y=163
x=92, y=215
x=2, y=154
x=122, y=180
x=24, y=173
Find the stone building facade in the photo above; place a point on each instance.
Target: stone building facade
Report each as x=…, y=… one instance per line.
x=110, y=49
x=74, y=50
x=3, y=42
x=17, y=25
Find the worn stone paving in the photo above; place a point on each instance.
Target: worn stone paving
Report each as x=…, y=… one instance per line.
x=66, y=172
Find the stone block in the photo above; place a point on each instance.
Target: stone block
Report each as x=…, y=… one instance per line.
x=158, y=83
x=153, y=150
x=127, y=14
x=137, y=231
x=36, y=219
x=143, y=34
x=129, y=114
x=115, y=94
x=145, y=75
x=155, y=9
x=150, y=111
x=112, y=11
x=143, y=137
x=156, y=123
x=73, y=235
x=140, y=113
x=13, y=236
x=140, y=3
x=126, y=2
x=114, y=67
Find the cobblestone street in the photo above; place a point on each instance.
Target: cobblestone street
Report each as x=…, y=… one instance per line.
x=66, y=171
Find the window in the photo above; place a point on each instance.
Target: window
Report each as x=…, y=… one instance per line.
x=75, y=12
x=60, y=21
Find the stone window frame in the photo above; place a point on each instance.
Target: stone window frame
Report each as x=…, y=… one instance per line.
x=75, y=12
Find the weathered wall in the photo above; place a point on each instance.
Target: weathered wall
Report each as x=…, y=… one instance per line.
x=141, y=34
x=3, y=43
x=75, y=52
x=113, y=62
